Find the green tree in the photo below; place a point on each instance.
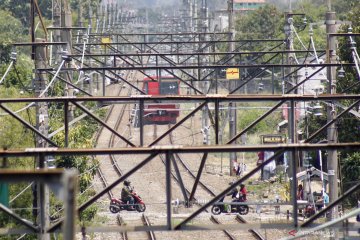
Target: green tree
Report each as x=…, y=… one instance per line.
x=264, y=23
x=11, y=30
x=249, y=112
x=20, y=74
x=19, y=10
x=348, y=125
x=350, y=166
x=343, y=8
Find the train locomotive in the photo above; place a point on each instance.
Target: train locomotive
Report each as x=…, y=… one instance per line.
x=159, y=112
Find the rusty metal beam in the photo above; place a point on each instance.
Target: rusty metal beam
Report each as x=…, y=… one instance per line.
x=105, y=190
x=271, y=110
x=172, y=98
x=178, y=124
x=27, y=152
x=331, y=205
x=209, y=66
x=25, y=222
x=178, y=42
x=179, y=178
x=27, y=124
x=197, y=179
x=228, y=189
x=189, y=54
x=103, y=123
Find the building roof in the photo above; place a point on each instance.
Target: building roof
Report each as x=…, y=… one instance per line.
x=314, y=172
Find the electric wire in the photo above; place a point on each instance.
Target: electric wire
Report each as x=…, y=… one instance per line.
x=6, y=72
x=355, y=55
x=298, y=37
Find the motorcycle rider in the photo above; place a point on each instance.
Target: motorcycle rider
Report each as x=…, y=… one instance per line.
x=242, y=193
x=126, y=194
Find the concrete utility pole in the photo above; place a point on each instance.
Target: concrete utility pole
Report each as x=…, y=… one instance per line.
x=291, y=81
x=80, y=13
x=332, y=157
x=57, y=23
x=66, y=36
x=205, y=87
x=232, y=106
x=42, y=124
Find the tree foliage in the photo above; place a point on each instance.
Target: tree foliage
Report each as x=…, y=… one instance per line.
x=263, y=23
x=250, y=113
x=350, y=167
x=11, y=30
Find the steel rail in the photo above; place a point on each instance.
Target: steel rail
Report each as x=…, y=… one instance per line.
x=105, y=190
x=103, y=123
x=121, y=222
x=147, y=223
x=255, y=233
x=227, y=233
x=100, y=172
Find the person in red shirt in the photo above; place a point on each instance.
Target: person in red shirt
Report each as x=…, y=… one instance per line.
x=242, y=192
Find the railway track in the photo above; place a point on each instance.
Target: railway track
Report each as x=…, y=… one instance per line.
x=188, y=170
x=112, y=169
x=227, y=233
x=238, y=218
x=255, y=233
x=145, y=221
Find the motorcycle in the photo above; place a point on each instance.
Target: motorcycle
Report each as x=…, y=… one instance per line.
x=222, y=208
x=309, y=211
x=117, y=205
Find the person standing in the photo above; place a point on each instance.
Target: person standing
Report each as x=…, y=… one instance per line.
x=242, y=193
x=300, y=193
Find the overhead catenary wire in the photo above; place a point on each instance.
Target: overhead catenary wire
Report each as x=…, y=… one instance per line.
x=42, y=93
x=315, y=53
x=355, y=55
x=6, y=72
x=83, y=55
x=298, y=37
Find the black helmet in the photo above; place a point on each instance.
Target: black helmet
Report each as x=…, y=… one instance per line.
x=242, y=185
x=127, y=183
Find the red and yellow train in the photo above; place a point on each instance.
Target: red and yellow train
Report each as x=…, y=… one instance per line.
x=159, y=112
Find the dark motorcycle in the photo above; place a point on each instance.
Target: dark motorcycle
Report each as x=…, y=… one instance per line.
x=222, y=208
x=117, y=205
x=309, y=211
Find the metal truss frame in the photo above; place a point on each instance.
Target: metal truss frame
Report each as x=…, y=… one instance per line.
x=168, y=150
x=153, y=150
x=65, y=178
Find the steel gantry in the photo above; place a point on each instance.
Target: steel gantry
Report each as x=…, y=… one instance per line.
x=182, y=56
x=168, y=150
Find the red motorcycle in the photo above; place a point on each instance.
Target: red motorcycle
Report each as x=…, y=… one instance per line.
x=117, y=205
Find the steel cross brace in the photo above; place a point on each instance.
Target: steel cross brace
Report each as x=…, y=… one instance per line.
x=108, y=188
x=117, y=75
x=277, y=154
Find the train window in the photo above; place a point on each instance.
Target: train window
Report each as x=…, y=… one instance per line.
x=169, y=88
